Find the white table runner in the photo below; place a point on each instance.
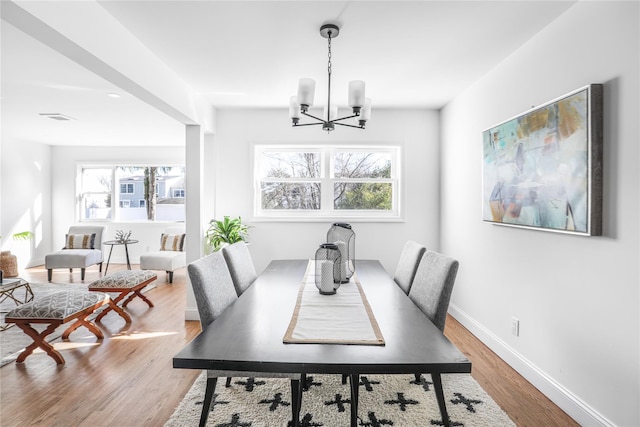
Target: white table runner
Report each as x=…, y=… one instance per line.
x=343, y=318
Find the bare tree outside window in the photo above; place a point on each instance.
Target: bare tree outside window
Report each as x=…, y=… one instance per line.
x=326, y=181
x=282, y=191
x=362, y=166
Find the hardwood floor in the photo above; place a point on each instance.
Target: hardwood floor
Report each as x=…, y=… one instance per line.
x=128, y=379
x=524, y=403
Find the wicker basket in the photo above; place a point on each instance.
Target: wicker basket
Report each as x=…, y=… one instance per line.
x=8, y=264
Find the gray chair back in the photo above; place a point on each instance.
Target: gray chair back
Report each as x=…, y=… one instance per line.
x=212, y=286
x=410, y=257
x=240, y=264
x=433, y=285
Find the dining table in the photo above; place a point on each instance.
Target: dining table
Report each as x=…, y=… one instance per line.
x=249, y=334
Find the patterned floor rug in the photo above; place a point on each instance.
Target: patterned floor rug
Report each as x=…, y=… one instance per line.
x=385, y=400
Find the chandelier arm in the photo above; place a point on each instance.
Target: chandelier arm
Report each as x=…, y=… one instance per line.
x=312, y=116
x=346, y=117
x=348, y=125
x=306, y=124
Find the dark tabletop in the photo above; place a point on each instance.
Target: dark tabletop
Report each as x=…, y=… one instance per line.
x=248, y=335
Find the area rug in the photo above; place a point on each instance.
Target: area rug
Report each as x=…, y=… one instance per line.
x=385, y=400
x=14, y=340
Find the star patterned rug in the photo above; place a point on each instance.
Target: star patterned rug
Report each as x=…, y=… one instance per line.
x=385, y=400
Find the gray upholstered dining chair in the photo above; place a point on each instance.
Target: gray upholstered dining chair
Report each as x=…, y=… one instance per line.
x=431, y=290
x=240, y=264
x=214, y=292
x=410, y=257
x=432, y=286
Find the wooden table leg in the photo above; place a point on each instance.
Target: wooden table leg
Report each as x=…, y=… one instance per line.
x=138, y=292
x=39, y=341
x=83, y=321
x=113, y=305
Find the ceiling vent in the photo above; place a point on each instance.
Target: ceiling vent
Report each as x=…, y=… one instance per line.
x=57, y=116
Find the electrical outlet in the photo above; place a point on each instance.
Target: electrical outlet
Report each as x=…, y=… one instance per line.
x=515, y=326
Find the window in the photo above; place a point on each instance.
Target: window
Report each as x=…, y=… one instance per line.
x=326, y=182
x=178, y=192
x=120, y=193
x=95, y=201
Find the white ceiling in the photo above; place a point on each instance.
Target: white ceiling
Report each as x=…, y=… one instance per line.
x=416, y=54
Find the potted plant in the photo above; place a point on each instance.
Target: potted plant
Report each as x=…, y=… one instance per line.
x=225, y=232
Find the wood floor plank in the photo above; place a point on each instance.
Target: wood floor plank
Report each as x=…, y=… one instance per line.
x=128, y=380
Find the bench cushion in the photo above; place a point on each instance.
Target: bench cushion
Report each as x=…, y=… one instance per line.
x=57, y=306
x=123, y=279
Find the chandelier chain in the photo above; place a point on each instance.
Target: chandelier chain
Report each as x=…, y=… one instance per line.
x=329, y=54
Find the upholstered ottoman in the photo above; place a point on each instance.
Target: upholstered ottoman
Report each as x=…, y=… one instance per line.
x=56, y=309
x=126, y=282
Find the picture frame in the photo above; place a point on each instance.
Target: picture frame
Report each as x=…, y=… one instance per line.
x=542, y=169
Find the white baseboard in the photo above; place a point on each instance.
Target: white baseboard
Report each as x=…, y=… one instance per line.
x=191, y=314
x=34, y=263
x=567, y=401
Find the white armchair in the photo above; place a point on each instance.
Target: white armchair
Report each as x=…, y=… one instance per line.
x=83, y=248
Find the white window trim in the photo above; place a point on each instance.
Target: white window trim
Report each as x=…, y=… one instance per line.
x=327, y=179
x=115, y=194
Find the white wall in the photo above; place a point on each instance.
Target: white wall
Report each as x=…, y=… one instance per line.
x=26, y=199
x=576, y=297
x=416, y=131
x=64, y=161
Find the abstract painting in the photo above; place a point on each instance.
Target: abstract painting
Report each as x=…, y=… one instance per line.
x=543, y=169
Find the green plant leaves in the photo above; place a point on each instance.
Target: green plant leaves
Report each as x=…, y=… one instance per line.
x=228, y=231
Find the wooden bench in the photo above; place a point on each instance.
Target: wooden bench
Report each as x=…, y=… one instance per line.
x=126, y=282
x=56, y=309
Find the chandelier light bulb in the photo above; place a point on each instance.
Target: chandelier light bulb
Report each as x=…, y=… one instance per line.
x=294, y=109
x=366, y=111
x=356, y=93
x=306, y=91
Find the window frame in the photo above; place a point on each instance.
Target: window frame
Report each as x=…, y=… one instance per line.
x=327, y=180
x=115, y=217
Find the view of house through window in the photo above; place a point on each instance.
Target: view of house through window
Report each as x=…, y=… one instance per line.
x=304, y=181
x=145, y=193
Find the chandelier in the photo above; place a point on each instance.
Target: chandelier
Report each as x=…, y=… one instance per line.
x=361, y=106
